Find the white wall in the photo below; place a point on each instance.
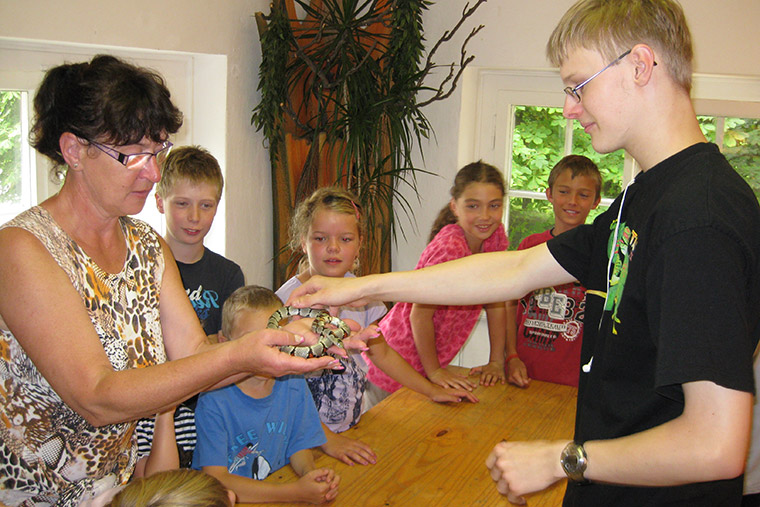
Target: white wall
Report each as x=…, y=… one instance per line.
x=514, y=37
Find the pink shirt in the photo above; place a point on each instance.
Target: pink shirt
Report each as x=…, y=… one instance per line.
x=453, y=324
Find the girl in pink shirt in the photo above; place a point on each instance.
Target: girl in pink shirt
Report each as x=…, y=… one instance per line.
x=429, y=336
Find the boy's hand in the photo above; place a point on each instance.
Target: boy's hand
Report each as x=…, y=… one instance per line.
x=448, y=394
x=318, y=486
x=517, y=373
x=348, y=450
x=519, y=468
x=446, y=378
x=490, y=373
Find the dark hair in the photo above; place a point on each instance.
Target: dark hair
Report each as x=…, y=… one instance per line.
x=191, y=163
x=107, y=100
x=475, y=172
x=580, y=166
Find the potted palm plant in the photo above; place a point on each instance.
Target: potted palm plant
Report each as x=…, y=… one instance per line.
x=341, y=85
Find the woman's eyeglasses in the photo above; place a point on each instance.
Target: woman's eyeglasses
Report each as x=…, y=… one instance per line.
x=135, y=161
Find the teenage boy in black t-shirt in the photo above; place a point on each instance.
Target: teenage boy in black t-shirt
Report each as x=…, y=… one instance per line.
x=666, y=387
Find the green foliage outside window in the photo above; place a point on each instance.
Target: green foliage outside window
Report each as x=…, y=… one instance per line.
x=538, y=143
x=10, y=147
x=741, y=146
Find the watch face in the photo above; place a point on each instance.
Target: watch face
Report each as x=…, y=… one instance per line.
x=573, y=461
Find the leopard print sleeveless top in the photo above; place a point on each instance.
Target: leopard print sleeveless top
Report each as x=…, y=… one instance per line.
x=48, y=453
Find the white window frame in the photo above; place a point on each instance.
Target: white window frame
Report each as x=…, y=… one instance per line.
x=498, y=90
x=198, y=84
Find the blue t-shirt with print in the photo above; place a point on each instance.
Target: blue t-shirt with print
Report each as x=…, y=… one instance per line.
x=254, y=437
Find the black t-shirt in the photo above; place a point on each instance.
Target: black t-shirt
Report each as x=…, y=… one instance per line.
x=683, y=306
x=208, y=283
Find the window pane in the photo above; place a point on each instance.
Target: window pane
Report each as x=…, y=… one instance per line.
x=610, y=164
x=10, y=149
x=528, y=216
x=741, y=146
x=537, y=144
x=707, y=124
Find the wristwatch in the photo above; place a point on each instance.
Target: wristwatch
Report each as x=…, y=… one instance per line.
x=574, y=461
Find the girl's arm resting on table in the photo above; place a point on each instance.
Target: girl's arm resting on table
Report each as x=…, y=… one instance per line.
x=707, y=442
x=396, y=367
x=423, y=332
x=163, y=451
x=46, y=315
x=494, y=372
x=475, y=279
x=517, y=373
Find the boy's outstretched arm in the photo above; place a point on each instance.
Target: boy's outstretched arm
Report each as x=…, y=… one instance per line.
x=475, y=279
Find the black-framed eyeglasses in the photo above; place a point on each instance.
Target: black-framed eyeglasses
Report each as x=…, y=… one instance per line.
x=135, y=161
x=573, y=91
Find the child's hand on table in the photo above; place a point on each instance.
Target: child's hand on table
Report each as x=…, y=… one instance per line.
x=349, y=450
x=446, y=378
x=319, y=485
x=449, y=394
x=490, y=373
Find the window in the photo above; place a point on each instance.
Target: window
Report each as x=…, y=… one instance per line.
x=25, y=175
x=16, y=185
x=519, y=127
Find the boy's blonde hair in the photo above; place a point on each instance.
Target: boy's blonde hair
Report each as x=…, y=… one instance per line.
x=332, y=198
x=580, y=166
x=173, y=488
x=612, y=27
x=191, y=163
x=249, y=297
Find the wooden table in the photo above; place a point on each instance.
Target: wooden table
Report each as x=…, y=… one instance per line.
x=434, y=454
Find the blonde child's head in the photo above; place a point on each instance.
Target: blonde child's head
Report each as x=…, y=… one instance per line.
x=254, y=304
x=175, y=488
x=329, y=215
x=475, y=172
x=191, y=164
x=612, y=27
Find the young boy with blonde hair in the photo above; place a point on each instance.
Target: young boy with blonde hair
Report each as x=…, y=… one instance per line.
x=252, y=428
x=188, y=195
x=545, y=327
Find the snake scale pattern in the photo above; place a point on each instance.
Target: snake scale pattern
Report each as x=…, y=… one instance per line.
x=331, y=330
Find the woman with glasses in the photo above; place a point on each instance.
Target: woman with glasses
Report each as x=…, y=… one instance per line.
x=96, y=330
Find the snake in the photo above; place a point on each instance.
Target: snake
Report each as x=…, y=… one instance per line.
x=331, y=330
